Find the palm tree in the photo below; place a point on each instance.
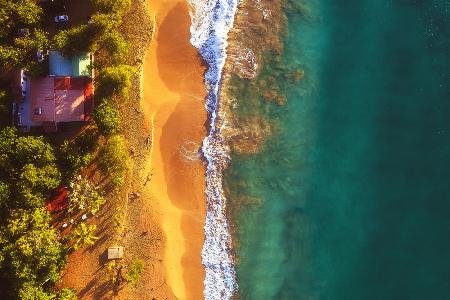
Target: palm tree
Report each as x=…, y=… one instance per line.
x=84, y=235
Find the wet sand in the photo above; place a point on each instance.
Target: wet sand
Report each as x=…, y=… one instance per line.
x=174, y=110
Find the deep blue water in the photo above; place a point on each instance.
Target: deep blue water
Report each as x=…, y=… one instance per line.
x=354, y=189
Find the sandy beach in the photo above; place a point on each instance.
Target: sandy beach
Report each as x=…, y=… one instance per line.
x=164, y=225
x=174, y=111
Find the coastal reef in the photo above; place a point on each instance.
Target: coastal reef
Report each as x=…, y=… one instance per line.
x=254, y=79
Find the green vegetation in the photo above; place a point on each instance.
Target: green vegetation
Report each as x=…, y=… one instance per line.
x=114, y=275
x=107, y=118
x=77, y=154
x=5, y=107
x=112, y=6
x=28, y=166
x=67, y=294
x=19, y=49
x=32, y=253
x=114, y=49
x=75, y=40
x=114, y=81
x=114, y=159
x=104, y=22
x=134, y=274
x=111, y=273
x=83, y=235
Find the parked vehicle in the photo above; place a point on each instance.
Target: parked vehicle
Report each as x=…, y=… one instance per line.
x=40, y=56
x=61, y=18
x=23, y=31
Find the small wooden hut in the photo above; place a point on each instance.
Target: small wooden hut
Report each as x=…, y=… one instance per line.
x=115, y=252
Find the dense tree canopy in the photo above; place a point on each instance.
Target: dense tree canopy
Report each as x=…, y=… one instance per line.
x=18, y=14
x=30, y=252
x=28, y=165
x=75, y=40
x=19, y=50
x=5, y=107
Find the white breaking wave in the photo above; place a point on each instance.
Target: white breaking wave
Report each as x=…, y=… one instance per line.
x=211, y=22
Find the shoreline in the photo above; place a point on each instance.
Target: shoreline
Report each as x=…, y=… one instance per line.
x=173, y=103
x=211, y=23
x=256, y=29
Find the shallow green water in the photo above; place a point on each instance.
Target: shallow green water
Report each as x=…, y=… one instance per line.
x=355, y=187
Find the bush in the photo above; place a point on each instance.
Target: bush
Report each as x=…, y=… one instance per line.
x=104, y=22
x=78, y=154
x=67, y=294
x=26, y=13
x=114, y=158
x=4, y=196
x=112, y=6
x=83, y=235
x=114, y=80
x=9, y=56
x=38, y=39
x=31, y=291
x=134, y=274
x=113, y=49
x=107, y=118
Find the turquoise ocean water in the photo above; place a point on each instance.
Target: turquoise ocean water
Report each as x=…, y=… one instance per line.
x=353, y=191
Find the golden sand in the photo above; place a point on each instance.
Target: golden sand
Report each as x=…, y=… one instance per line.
x=174, y=107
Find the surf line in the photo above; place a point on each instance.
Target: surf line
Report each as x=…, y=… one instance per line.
x=210, y=24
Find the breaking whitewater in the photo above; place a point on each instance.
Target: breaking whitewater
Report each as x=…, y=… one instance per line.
x=211, y=22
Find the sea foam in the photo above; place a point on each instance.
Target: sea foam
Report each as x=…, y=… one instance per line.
x=211, y=21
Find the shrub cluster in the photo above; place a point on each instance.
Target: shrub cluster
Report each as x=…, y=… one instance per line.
x=134, y=274
x=77, y=154
x=107, y=118
x=114, y=159
x=114, y=80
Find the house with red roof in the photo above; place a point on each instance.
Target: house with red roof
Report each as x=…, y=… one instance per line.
x=64, y=96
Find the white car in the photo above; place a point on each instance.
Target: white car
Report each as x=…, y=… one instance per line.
x=61, y=18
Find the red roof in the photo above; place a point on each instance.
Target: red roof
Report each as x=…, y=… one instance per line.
x=61, y=99
x=72, y=83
